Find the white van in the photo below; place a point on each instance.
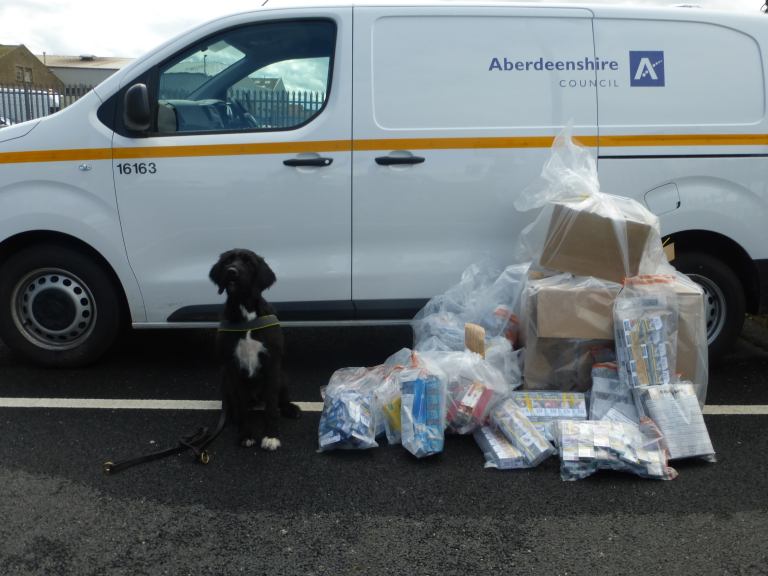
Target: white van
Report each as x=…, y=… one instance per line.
x=370, y=151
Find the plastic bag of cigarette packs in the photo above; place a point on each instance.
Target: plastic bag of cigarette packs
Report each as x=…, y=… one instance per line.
x=588, y=446
x=422, y=409
x=676, y=411
x=498, y=451
x=563, y=320
x=544, y=406
x=474, y=389
x=645, y=320
x=521, y=433
x=580, y=229
x=485, y=296
x=386, y=395
x=611, y=398
x=347, y=420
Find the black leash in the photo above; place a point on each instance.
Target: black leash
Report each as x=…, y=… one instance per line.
x=200, y=438
x=196, y=441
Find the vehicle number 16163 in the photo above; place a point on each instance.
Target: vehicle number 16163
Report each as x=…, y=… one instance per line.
x=137, y=168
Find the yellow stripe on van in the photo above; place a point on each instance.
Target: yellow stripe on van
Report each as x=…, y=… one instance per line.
x=145, y=152
x=232, y=149
x=56, y=155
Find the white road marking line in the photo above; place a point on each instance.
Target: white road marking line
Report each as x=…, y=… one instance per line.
x=106, y=404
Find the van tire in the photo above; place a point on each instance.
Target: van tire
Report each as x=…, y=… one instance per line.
x=725, y=304
x=58, y=308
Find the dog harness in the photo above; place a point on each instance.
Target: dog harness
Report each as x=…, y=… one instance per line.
x=248, y=325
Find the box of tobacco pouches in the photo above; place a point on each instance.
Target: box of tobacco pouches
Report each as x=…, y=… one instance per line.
x=523, y=436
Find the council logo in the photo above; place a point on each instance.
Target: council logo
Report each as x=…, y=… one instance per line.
x=646, y=68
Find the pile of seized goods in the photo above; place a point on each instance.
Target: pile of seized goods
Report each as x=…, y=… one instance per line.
x=589, y=345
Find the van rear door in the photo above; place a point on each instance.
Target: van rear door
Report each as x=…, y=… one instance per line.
x=455, y=110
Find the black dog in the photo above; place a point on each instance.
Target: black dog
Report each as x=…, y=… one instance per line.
x=250, y=359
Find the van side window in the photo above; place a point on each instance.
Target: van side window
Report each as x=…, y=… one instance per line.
x=271, y=76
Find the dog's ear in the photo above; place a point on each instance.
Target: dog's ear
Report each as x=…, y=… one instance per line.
x=264, y=277
x=215, y=273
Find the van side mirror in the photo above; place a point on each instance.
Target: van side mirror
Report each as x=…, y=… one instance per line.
x=136, y=108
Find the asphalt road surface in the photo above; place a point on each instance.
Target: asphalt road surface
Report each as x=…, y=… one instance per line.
x=381, y=511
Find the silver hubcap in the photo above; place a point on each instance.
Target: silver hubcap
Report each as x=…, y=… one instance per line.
x=53, y=309
x=714, y=306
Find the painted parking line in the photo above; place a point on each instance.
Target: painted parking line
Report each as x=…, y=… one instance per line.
x=107, y=404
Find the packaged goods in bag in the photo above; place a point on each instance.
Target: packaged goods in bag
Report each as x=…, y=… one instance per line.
x=387, y=407
x=498, y=451
x=611, y=398
x=675, y=410
x=588, y=446
x=422, y=409
x=347, y=420
x=582, y=230
x=524, y=437
x=474, y=389
x=543, y=407
x=645, y=317
x=485, y=296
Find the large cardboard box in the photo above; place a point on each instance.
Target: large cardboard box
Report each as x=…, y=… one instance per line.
x=584, y=240
x=565, y=322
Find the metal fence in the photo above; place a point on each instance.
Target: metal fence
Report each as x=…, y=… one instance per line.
x=22, y=102
x=281, y=109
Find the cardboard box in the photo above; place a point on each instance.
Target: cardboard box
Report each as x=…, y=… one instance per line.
x=565, y=322
x=582, y=239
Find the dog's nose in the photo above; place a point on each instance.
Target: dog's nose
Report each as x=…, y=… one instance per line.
x=232, y=272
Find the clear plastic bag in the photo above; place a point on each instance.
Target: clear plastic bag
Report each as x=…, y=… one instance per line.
x=521, y=433
x=588, y=446
x=347, y=421
x=582, y=230
x=676, y=411
x=611, y=398
x=474, y=389
x=485, y=296
x=498, y=451
x=563, y=319
x=422, y=411
x=645, y=317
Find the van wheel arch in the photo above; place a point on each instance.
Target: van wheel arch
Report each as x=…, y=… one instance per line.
x=67, y=247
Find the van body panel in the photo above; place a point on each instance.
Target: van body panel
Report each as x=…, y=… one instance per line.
x=430, y=82
x=59, y=196
x=728, y=196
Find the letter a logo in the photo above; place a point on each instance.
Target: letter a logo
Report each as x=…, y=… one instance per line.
x=646, y=68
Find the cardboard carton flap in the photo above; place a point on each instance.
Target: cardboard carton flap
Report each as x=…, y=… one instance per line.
x=575, y=312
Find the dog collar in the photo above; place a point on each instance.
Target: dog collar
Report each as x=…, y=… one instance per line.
x=248, y=325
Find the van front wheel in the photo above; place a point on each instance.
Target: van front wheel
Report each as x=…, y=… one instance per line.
x=724, y=301
x=57, y=307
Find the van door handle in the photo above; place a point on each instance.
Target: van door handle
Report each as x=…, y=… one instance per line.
x=309, y=162
x=390, y=160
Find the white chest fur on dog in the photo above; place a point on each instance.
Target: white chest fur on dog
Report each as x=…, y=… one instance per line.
x=248, y=349
x=247, y=354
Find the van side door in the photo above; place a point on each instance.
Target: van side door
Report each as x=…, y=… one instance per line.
x=455, y=112
x=249, y=147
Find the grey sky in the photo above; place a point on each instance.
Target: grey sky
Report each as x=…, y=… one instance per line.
x=74, y=27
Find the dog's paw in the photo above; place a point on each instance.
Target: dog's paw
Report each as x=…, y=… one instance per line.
x=247, y=442
x=290, y=411
x=270, y=443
